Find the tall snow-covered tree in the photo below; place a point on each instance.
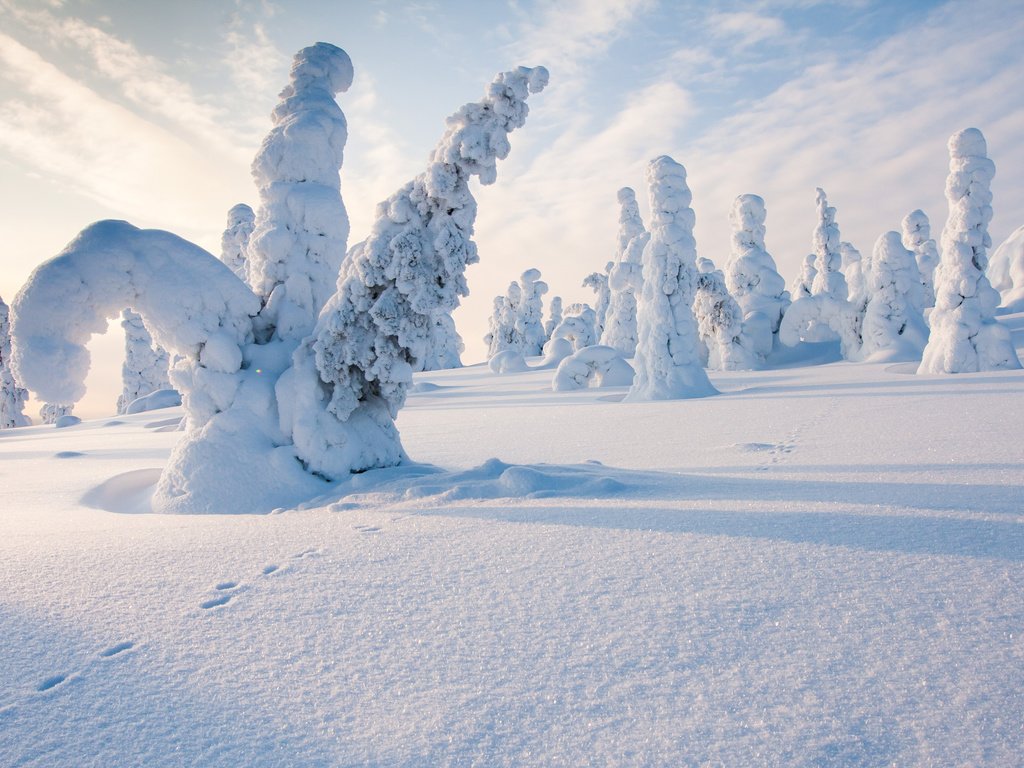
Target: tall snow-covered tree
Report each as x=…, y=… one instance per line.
x=530, y=316
x=667, y=360
x=828, y=280
x=1006, y=271
x=964, y=334
x=234, y=243
x=917, y=237
x=750, y=274
x=301, y=228
x=504, y=332
x=145, y=366
x=554, y=316
x=625, y=278
x=720, y=322
x=12, y=396
x=267, y=418
x=893, y=326
x=598, y=283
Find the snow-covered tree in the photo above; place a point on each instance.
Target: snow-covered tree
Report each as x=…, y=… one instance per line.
x=267, y=419
x=667, y=357
x=578, y=325
x=917, y=237
x=720, y=322
x=964, y=334
x=145, y=366
x=12, y=396
x=1006, y=271
x=554, y=316
x=801, y=287
x=598, y=283
x=530, y=316
x=445, y=347
x=234, y=243
x=857, y=272
x=893, y=327
x=51, y=412
x=828, y=280
x=301, y=228
x=750, y=274
x=593, y=366
x=503, y=329
x=625, y=278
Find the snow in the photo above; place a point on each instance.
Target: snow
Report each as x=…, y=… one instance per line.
x=594, y=366
x=1006, y=271
x=802, y=571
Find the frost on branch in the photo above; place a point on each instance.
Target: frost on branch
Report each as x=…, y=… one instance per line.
x=12, y=396
x=301, y=229
x=720, y=323
x=625, y=278
x=144, y=370
x=964, y=334
x=375, y=329
x=1006, y=271
x=917, y=237
x=667, y=360
x=234, y=243
x=893, y=327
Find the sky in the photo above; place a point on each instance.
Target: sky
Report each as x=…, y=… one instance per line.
x=151, y=112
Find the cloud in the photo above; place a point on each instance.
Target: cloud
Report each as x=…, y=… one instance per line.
x=744, y=28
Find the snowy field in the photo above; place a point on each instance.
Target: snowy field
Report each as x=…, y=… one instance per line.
x=824, y=565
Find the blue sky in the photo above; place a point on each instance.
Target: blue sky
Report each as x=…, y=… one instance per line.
x=152, y=111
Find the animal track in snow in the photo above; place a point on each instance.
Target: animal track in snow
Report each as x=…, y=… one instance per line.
x=367, y=528
x=228, y=589
x=114, y=650
x=51, y=682
x=215, y=602
x=267, y=570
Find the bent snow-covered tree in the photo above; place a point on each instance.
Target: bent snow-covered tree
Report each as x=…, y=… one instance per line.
x=253, y=441
x=12, y=396
x=667, y=361
x=145, y=366
x=625, y=278
x=965, y=336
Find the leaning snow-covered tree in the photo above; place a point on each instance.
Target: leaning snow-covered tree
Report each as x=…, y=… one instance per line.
x=720, y=322
x=625, y=278
x=667, y=361
x=234, y=243
x=145, y=366
x=598, y=283
x=751, y=275
x=893, y=327
x=529, y=320
x=965, y=336
x=268, y=417
x=12, y=397
x=917, y=237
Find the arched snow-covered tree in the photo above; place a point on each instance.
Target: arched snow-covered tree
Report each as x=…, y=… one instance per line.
x=720, y=322
x=917, y=237
x=1006, y=271
x=598, y=283
x=750, y=274
x=964, y=334
x=12, y=396
x=301, y=228
x=893, y=327
x=530, y=317
x=411, y=267
x=625, y=278
x=234, y=243
x=667, y=358
x=145, y=366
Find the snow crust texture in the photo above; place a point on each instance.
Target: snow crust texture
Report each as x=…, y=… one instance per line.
x=964, y=335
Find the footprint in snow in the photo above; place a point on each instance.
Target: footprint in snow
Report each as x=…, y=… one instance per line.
x=267, y=570
x=51, y=682
x=114, y=650
x=215, y=602
x=367, y=528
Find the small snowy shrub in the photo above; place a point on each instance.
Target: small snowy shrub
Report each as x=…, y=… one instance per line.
x=594, y=366
x=964, y=334
x=667, y=357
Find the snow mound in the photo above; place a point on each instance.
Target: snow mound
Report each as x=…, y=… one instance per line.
x=594, y=366
x=67, y=420
x=508, y=361
x=154, y=401
x=127, y=493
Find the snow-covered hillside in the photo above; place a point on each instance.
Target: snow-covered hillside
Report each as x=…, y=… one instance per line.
x=822, y=565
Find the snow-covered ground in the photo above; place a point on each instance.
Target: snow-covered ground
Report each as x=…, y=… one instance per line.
x=823, y=565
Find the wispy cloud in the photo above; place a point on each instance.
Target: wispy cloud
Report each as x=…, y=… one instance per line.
x=745, y=28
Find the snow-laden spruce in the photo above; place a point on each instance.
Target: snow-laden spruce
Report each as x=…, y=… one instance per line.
x=530, y=316
x=51, y=413
x=234, y=242
x=445, y=348
x=578, y=326
x=598, y=283
x=145, y=366
x=893, y=326
x=1006, y=271
x=301, y=229
x=625, y=278
x=750, y=274
x=857, y=272
x=964, y=334
x=352, y=375
x=593, y=366
x=12, y=396
x=801, y=285
x=502, y=328
x=828, y=279
x=667, y=360
x=554, y=317
x=917, y=237
x=720, y=323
